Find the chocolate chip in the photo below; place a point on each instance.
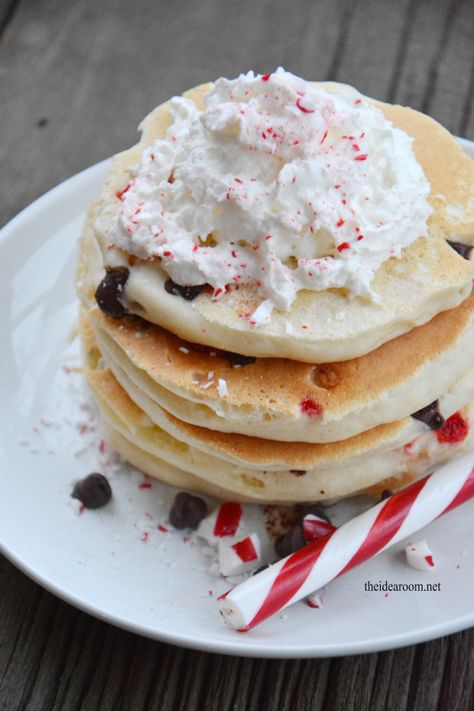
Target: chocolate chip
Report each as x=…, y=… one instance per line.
x=187, y=292
x=110, y=290
x=430, y=415
x=237, y=359
x=463, y=249
x=93, y=491
x=386, y=494
x=298, y=472
x=187, y=511
x=234, y=358
x=290, y=542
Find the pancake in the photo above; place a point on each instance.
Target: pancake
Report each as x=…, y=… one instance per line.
x=258, y=453
x=260, y=470
x=160, y=454
x=325, y=326
x=264, y=399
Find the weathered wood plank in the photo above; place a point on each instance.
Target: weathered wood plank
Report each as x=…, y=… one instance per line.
x=447, y=92
x=7, y=12
x=367, y=39
x=428, y=666
x=457, y=690
x=392, y=679
x=437, y=62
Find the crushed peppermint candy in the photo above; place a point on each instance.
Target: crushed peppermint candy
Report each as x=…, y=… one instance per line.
x=240, y=556
x=316, y=527
x=222, y=387
x=419, y=556
x=314, y=601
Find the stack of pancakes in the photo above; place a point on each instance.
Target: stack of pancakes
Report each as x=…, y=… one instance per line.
x=335, y=397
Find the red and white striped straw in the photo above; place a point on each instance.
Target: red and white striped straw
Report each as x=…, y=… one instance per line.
x=315, y=565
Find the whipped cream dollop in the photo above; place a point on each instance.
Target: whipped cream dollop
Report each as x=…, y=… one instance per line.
x=277, y=183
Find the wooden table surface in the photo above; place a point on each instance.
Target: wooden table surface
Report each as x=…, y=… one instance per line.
x=76, y=78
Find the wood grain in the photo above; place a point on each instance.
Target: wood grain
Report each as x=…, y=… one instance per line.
x=75, y=80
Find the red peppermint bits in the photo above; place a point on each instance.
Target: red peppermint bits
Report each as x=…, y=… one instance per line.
x=228, y=519
x=429, y=560
x=266, y=77
x=340, y=222
x=245, y=549
x=315, y=527
x=454, y=431
x=362, y=156
x=310, y=407
x=344, y=245
x=121, y=193
x=305, y=108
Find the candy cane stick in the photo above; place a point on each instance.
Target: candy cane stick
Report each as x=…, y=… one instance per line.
x=313, y=566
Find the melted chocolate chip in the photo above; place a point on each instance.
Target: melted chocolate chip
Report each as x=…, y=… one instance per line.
x=233, y=358
x=93, y=491
x=110, y=290
x=463, y=249
x=187, y=292
x=237, y=359
x=298, y=472
x=386, y=494
x=290, y=542
x=430, y=415
x=187, y=511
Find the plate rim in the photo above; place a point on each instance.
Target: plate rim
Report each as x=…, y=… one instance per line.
x=242, y=649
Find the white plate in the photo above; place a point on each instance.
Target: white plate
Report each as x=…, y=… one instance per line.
x=99, y=561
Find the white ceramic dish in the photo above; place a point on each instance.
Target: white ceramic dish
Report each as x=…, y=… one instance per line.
x=100, y=561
